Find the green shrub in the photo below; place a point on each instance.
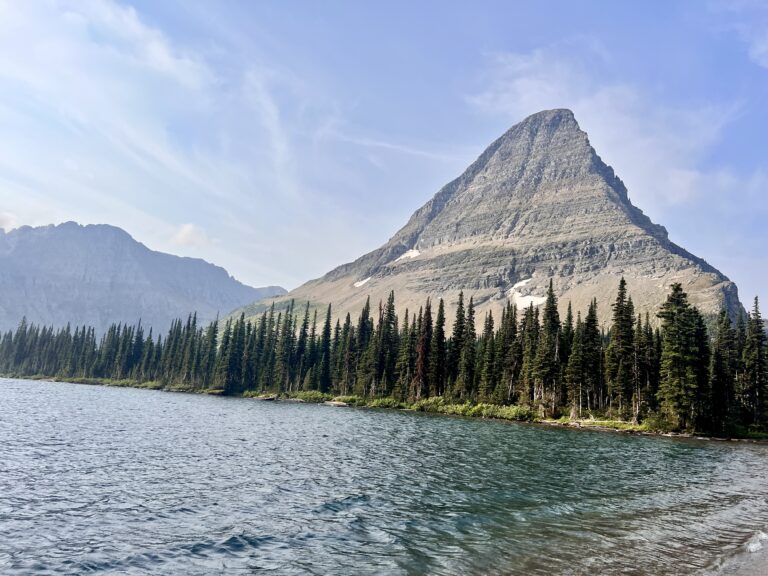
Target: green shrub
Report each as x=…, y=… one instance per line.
x=385, y=403
x=350, y=400
x=657, y=423
x=311, y=396
x=519, y=413
x=434, y=404
x=482, y=410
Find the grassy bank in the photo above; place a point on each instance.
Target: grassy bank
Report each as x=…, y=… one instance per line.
x=439, y=405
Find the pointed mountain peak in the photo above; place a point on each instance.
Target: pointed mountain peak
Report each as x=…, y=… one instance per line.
x=557, y=117
x=547, y=125
x=537, y=205
x=548, y=129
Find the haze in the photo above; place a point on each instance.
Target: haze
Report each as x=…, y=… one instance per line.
x=281, y=139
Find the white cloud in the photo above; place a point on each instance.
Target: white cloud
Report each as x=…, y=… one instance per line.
x=656, y=149
x=8, y=221
x=190, y=235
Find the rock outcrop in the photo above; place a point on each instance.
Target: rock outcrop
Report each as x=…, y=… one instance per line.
x=538, y=204
x=97, y=275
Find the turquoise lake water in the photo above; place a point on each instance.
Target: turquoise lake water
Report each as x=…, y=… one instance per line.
x=117, y=480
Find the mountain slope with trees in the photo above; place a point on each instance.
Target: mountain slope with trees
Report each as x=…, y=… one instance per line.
x=673, y=374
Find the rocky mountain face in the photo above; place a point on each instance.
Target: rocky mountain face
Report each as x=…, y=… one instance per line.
x=97, y=275
x=538, y=204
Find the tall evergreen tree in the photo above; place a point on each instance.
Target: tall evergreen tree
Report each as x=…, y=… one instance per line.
x=487, y=362
x=529, y=331
x=574, y=372
x=593, y=359
x=620, y=353
x=510, y=356
x=438, y=354
x=755, y=370
x=421, y=384
x=456, y=345
x=722, y=375
x=465, y=381
x=324, y=379
x=680, y=359
x=546, y=368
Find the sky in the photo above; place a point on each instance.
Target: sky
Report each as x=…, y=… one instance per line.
x=281, y=139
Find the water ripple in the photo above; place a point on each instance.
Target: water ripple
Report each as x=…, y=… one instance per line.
x=104, y=480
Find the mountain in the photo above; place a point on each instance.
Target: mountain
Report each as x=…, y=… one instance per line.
x=99, y=274
x=538, y=204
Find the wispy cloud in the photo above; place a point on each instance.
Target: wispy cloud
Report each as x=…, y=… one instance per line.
x=661, y=149
x=107, y=119
x=657, y=149
x=261, y=100
x=749, y=19
x=392, y=147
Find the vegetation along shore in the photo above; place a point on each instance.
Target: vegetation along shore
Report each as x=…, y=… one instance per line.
x=669, y=374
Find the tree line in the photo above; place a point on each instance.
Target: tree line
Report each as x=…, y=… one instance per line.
x=674, y=370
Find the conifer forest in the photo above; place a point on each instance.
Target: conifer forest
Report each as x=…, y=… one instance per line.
x=675, y=369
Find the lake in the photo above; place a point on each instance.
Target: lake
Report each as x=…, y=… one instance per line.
x=117, y=480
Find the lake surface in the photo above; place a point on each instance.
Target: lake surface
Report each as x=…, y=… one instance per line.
x=110, y=480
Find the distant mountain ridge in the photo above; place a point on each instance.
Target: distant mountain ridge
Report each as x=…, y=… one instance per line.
x=98, y=274
x=539, y=204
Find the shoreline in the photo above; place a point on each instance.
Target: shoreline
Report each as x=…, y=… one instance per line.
x=433, y=405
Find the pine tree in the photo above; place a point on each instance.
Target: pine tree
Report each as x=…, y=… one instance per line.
x=574, y=372
x=456, y=344
x=619, y=355
x=222, y=360
x=465, y=382
x=300, y=353
x=681, y=358
x=438, y=357
x=566, y=342
x=487, y=362
x=546, y=367
x=510, y=355
x=529, y=332
x=421, y=383
x=248, y=368
x=722, y=370
x=722, y=376
x=346, y=357
x=593, y=358
x=755, y=370
x=406, y=358
x=389, y=346
x=233, y=382
x=324, y=378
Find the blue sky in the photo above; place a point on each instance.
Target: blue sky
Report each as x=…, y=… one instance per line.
x=279, y=139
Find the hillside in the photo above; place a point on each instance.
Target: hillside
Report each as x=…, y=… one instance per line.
x=98, y=274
